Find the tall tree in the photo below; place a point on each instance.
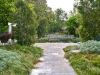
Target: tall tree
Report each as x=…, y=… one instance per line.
x=43, y=12
x=72, y=25
x=52, y=21
x=61, y=16
x=41, y=8
x=25, y=30
x=89, y=9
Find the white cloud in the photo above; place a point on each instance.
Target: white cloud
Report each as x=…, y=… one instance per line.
x=66, y=5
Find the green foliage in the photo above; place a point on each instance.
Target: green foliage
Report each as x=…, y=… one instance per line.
x=77, y=47
x=53, y=27
x=10, y=61
x=43, y=12
x=56, y=20
x=72, y=25
x=41, y=9
x=52, y=22
x=25, y=18
x=60, y=16
x=75, y=40
x=58, y=38
x=90, y=47
x=18, y=60
x=83, y=64
x=67, y=49
x=83, y=36
x=6, y=9
x=96, y=61
x=41, y=40
x=42, y=28
x=90, y=28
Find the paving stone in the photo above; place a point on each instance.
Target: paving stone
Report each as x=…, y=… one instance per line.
x=53, y=61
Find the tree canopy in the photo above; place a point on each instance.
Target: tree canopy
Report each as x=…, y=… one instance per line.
x=6, y=9
x=90, y=28
x=33, y=17
x=25, y=16
x=72, y=25
x=58, y=20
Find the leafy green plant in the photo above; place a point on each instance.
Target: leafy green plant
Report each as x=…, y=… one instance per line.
x=75, y=40
x=18, y=60
x=41, y=40
x=90, y=46
x=76, y=47
x=68, y=48
x=83, y=64
x=10, y=60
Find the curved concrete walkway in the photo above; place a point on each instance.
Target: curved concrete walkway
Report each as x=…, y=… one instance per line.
x=53, y=61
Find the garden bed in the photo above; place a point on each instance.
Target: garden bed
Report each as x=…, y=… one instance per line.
x=18, y=60
x=84, y=62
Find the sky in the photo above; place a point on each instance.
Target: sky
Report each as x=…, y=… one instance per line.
x=66, y=5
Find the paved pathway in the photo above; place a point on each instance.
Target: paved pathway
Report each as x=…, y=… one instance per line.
x=53, y=61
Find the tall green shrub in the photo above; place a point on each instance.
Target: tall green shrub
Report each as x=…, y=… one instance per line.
x=25, y=17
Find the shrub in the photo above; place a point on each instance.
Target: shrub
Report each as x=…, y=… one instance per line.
x=9, y=59
x=31, y=49
x=75, y=40
x=41, y=40
x=90, y=47
x=76, y=47
x=83, y=64
x=18, y=60
x=67, y=49
x=96, y=61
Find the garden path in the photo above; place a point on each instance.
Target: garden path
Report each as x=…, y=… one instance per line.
x=53, y=61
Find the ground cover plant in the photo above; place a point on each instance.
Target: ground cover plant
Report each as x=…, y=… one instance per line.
x=90, y=46
x=86, y=62
x=18, y=60
x=57, y=37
